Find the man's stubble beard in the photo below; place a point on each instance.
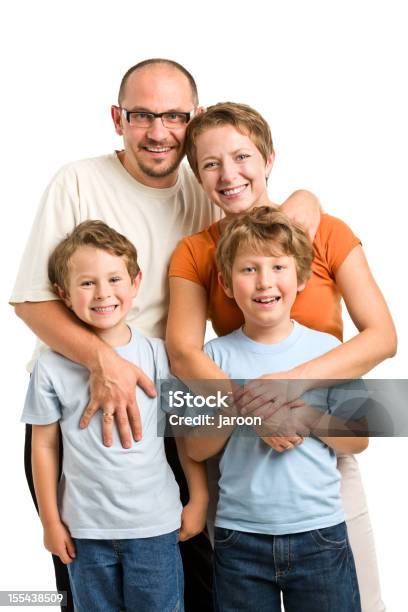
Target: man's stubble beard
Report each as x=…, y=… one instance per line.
x=160, y=173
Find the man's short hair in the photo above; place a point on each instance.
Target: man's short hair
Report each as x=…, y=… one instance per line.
x=265, y=231
x=241, y=116
x=165, y=62
x=90, y=233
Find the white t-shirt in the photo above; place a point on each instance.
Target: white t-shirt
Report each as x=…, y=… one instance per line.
x=107, y=493
x=153, y=219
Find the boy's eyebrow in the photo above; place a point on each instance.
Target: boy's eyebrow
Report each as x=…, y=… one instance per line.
x=90, y=275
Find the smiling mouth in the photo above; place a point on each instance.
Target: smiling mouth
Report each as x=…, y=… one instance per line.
x=267, y=300
x=105, y=309
x=233, y=191
x=157, y=150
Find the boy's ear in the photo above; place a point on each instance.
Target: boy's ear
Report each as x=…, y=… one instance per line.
x=63, y=295
x=301, y=286
x=136, y=283
x=227, y=290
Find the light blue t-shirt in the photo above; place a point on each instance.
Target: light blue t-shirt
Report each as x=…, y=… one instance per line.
x=107, y=493
x=261, y=490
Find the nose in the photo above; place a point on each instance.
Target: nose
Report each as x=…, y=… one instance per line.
x=102, y=290
x=264, y=279
x=228, y=171
x=157, y=131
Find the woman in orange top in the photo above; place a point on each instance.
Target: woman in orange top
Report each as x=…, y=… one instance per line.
x=230, y=150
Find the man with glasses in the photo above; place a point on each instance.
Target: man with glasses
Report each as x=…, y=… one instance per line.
x=145, y=193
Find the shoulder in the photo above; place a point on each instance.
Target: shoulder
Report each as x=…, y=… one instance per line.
x=85, y=167
x=53, y=364
x=148, y=353
x=193, y=257
x=224, y=343
x=330, y=225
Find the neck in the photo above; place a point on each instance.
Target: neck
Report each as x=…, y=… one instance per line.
x=156, y=182
x=119, y=335
x=268, y=334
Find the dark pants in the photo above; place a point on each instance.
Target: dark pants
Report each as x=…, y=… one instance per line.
x=196, y=553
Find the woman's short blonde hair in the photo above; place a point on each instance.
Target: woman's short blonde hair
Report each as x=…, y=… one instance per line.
x=241, y=116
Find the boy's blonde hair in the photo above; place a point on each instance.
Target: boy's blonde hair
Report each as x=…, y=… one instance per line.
x=241, y=116
x=90, y=233
x=267, y=231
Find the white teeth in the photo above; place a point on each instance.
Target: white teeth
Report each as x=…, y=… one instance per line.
x=158, y=149
x=104, y=308
x=234, y=191
x=266, y=300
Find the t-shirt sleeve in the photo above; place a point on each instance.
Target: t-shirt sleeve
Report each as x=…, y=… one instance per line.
x=42, y=405
x=339, y=241
x=57, y=215
x=184, y=264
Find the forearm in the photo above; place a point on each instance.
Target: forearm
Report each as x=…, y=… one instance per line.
x=200, y=447
x=189, y=362
x=351, y=359
x=45, y=475
x=347, y=445
x=195, y=473
x=55, y=325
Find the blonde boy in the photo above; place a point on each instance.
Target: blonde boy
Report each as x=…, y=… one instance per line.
x=115, y=515
x=280, y=524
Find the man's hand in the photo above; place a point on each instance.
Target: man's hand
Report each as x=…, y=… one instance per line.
x=193, y=518
x=58, y=541
x=304, y=208
x=281, y=444
x=112, y=390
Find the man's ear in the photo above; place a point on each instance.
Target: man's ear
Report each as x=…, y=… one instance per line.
x=227, y=290
x=199, y=110
x=116, y=115
x=63, y=295
x=136, y=283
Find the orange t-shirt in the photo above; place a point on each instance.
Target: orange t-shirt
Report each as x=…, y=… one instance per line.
x=318, y=306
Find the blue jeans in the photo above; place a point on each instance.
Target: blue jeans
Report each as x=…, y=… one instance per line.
x=143, y=575
x=313, y=570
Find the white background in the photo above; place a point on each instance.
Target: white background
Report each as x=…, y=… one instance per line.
x=331, y=79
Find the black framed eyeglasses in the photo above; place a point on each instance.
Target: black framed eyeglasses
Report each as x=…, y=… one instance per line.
x=173, y=119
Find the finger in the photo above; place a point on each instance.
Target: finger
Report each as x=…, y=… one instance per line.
x=252, y=402
x=88, y=413
x=298, y=403
x=268, y=409
x=146, y=384
x=183, y=536
x=64, y=556
x=107, y=424
x=135, y=421
x=71, y=548
x=122, y=423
